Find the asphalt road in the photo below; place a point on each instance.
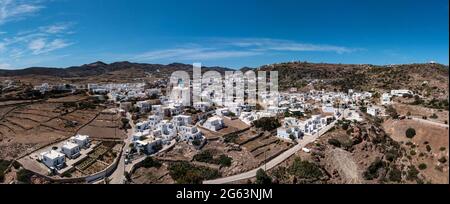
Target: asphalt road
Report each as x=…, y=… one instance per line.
x=274, y=162
x=118, y=176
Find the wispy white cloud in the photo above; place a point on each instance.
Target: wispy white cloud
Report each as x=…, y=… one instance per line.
x=37, y=41
x=221, y=48
x=5, y=66
x=57, y=28
x=12, y=10
x=194, y=53
x=266, y=44
x=41, y=45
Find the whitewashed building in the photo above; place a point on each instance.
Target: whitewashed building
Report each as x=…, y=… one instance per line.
x=214, y=123
x=149, y=144
x=386, y=99
x=400, y=93
x=328, y=108
x=190, y=133
x=144, y=106
x=53, y=159
x=202, y=106
x=182, y=120
x=82, y=140
x=71, y=150
x=287, y=132
x=373, y=111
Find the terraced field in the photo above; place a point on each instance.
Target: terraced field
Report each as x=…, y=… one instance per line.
x=26, y=127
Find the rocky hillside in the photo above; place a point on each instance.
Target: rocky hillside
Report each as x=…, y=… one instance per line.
x=426, y=79
x=429, y=80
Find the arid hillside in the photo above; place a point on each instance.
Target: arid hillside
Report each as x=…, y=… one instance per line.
x=425, y=79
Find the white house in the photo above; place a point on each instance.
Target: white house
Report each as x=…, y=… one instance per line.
x=53, y=159
x=167, y=131
x=182, y=120
x=400, y=93
x=202, y=106
x=149, y=144
x=289, y=121
x=81, y=140
x=157, y=109
x=144, y=106
x=140, y=135
x=141, y=126
x=71, y=150
x=277, y=110
x=386, y=99
x=248, y=117
x=190, y=133
x=328, y=108
x=214, y=123
x=286, y=132
x=153, y=121
x=373, y=111
x=237, y=110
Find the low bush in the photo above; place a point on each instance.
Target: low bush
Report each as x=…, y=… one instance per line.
x=442, y=160
x=186, y=173
x=305, y=169
x=149, y=162
x=372, y=171
x=410, y=133
x=334, y=142
x=422, y=166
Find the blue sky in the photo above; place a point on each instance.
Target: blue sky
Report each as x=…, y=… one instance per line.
x=231, y=33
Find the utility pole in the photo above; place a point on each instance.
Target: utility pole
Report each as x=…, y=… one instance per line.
x=265, y=160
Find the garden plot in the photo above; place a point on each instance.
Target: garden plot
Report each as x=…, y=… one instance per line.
x=98, y=160
x=23, y=123
x=104, y=127
x=266, y=147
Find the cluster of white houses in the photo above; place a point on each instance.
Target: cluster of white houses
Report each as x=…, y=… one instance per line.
x=55, y=159
x=294, y=128
x=155, y=131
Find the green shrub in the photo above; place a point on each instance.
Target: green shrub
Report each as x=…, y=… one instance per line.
x=267, y=124
x=442, y=149
x=196, y=142
x=262, y=178
x=422, y=166
x=231, y=138
x=410, y=133
x=345, y=126
x=224, y=160
x=24, y=176
x=205, y=156
x=442, y=160
x=305, y=169
x=149, y=162
x=428, y=147
x=66, y=175
x=372, y=171
x=208, y=157
x=434, y=116
x=186, y=173
x=412, y=173
x=413, y=153
x=395, y=175
x=334, y=142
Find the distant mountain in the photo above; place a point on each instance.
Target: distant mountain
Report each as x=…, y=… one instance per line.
x=100, y=68
x=427, y=79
